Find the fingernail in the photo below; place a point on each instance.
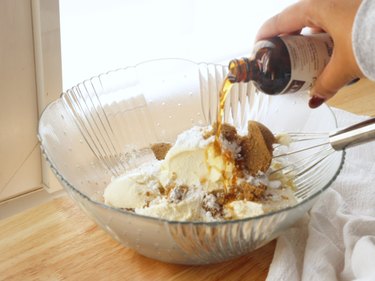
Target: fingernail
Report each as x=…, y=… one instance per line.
x=315, y=102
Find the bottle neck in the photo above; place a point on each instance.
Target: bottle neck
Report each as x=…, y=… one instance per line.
x=242, y=70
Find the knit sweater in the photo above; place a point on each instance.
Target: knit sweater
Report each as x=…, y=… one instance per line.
x=363, y=38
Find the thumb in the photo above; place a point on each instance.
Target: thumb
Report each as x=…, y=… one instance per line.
x=332, y=79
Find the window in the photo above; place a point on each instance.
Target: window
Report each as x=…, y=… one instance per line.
x=97, y=36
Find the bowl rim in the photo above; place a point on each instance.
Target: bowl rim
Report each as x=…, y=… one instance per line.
x=173, y=222
x=65, y=92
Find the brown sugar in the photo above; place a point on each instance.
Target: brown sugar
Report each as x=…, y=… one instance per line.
x=160, y=149
x=244, y=191
x=229, y=132
x=256, y=153
x=255, y=148
x=268, y=136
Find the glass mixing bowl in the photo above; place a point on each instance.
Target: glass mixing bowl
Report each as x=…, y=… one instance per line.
x=104, y=126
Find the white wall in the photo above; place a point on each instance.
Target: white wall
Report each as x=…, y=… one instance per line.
x=20, y=165
x=30, y=78
x=99, y=35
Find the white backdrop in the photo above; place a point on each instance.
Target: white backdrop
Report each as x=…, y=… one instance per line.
x=99, y=35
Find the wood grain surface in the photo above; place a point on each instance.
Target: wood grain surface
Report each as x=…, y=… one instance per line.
x=56, y=241
x=358, y=98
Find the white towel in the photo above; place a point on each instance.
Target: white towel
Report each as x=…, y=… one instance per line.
x=336, y=240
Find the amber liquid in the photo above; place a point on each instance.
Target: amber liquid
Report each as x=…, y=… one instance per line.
x=225, y=89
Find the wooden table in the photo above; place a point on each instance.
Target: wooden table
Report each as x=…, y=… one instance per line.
x=56, y=241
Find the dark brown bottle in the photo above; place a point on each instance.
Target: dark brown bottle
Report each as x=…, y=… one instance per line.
x=284, y=64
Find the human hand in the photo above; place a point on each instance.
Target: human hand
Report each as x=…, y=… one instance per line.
x=335, y=17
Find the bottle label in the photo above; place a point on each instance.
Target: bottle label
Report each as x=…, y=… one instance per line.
x=308, y=57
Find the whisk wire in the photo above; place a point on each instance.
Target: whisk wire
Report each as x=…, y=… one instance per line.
x=307, y=157
x=300, y=150
x=304, y=177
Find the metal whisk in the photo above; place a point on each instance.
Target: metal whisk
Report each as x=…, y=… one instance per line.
x=311, y=156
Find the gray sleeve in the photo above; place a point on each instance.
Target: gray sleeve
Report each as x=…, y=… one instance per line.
x=363, y=38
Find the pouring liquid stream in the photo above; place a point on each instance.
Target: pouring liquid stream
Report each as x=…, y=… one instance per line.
x=225, y=89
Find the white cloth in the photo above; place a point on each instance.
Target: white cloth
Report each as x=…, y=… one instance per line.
x=336, y=240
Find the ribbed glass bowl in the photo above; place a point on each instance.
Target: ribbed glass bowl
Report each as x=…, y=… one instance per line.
x=103, y=126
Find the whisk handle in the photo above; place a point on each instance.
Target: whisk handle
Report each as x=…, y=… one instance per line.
x=353, y=135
